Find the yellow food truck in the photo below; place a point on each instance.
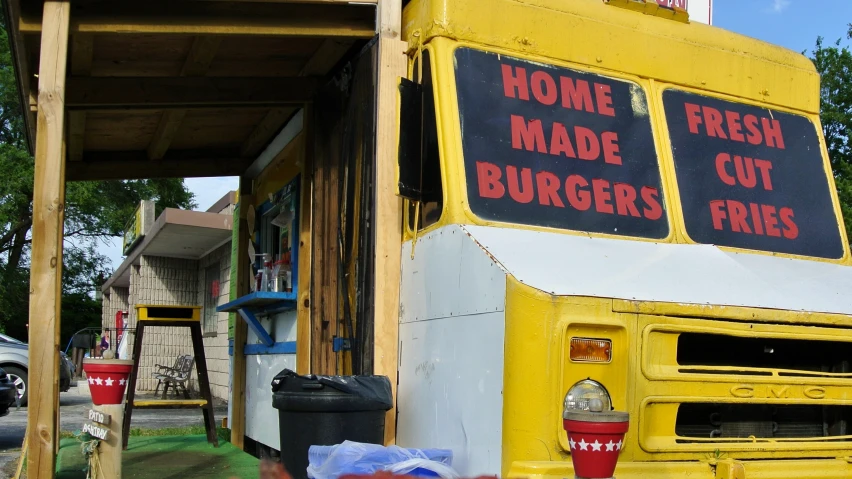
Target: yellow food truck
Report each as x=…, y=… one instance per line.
x=607, y=201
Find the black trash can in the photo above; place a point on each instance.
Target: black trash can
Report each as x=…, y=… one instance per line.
x=327, y=410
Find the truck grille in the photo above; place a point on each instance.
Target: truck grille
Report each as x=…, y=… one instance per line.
x=751, y=390
x=708, y=420
x=791, y=357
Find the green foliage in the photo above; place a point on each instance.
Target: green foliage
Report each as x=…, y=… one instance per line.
x=834, y=64
x=94, y=212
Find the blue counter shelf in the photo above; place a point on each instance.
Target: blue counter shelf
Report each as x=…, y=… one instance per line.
x=262, y=303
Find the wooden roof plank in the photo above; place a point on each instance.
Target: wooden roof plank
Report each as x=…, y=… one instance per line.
x=94, y=93
x=76, y=134
x=326, y=56
x=166, y=130
x=197, y=63
x=264, y=131
x=82, y=54
x=200, y=56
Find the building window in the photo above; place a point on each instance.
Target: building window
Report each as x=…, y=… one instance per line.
x=212, y=290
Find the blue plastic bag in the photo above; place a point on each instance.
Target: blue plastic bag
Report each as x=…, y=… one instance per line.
x=331, y=462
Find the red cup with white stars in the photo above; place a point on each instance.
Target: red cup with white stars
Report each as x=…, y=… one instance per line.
x=596, y=439
x=107, y=379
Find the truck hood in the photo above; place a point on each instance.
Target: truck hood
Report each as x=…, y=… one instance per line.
x=571, y=265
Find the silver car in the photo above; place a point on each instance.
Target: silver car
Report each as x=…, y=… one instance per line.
x=14, y=359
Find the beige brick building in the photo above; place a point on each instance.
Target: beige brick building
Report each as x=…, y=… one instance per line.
x=183, y=258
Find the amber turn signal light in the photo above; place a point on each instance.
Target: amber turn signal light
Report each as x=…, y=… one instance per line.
x=589, y=350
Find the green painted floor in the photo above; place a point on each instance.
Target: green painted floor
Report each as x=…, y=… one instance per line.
x=166, y=457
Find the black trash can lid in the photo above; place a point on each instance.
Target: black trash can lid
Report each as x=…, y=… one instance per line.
x=375, y=388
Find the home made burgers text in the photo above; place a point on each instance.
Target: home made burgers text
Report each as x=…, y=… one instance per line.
x=563, y=141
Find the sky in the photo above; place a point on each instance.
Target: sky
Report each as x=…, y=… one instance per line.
x=794, y=24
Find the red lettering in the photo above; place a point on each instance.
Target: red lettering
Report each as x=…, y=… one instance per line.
x=717, y=211
x=791, y=231
x=548, y=189
x=764, y=167
x=755, y=218
x=530, y=134
x=625, y=200
x=580, y=96
x=772, y=131
x=714, y=122
x=609, y=139
x=739, y=214
x=579, y=198
x=517, y=194
x=693, y=117
x=513, y=83
x=560, y=143
x=588, y=147
x=488, y=176
x=602, y=196
x=603, y=94
x=652, y=211
x=735, y=128
x=745, y=171
x=721, y=159
x=754, y=137
x=543, y=87
x=770, y=221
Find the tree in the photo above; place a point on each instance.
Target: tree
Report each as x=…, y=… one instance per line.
x=94, y=212
x=834, y=64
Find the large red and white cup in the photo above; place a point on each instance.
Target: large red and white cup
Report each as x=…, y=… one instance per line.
x=107, y=379
x=595, y=439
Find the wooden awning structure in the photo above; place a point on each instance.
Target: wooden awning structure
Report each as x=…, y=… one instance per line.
x=183, y=88
x=117, y=89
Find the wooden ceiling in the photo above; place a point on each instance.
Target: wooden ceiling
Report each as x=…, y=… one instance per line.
x=198, y=91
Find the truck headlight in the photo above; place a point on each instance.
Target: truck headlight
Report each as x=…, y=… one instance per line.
x=582, y=395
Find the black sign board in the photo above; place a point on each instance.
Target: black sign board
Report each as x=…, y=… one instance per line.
x=555, y=147
x=750, y=177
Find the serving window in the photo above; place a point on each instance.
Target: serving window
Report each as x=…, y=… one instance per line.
x=556, y=147
x=750, y=177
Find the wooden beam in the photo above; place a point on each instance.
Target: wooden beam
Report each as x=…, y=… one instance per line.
x=264, y=131
x=184, y=92
x=166, y=131
x=326, y=56
x=327, y=19
x=238, y=378
x=99, y=167
x=392, y=65
x=46, y=256
x=390, y=19
x=24, y=79
x=82, y=53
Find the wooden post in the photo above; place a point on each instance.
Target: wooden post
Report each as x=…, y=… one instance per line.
x=303, y=309
x=46, y=263
x=109, y=450
x=238, y=384
x=392, y=65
